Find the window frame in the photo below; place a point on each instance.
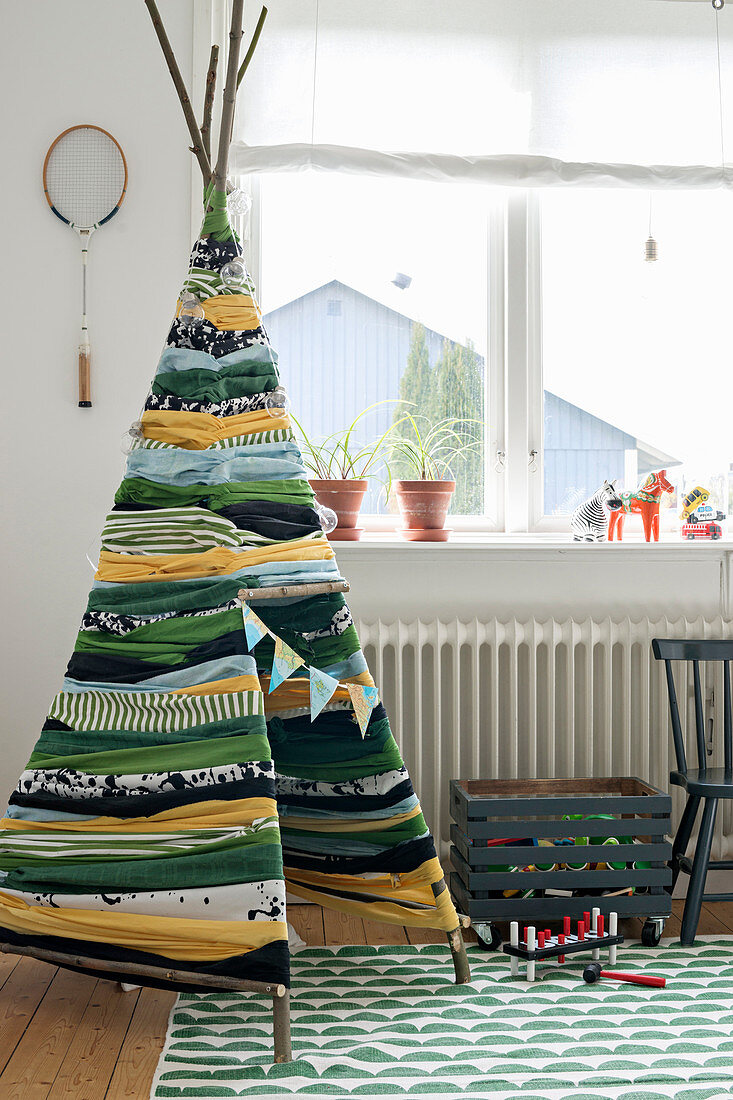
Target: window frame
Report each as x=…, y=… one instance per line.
x=514, y=395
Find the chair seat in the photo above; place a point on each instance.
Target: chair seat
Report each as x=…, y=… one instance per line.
x=711, y=783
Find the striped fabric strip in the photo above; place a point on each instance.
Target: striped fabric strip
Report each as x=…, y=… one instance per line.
x=169, y=531
x=205, y=283
x=279, y=435
x=156, y=713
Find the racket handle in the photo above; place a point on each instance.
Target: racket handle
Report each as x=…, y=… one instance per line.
x=85, y=386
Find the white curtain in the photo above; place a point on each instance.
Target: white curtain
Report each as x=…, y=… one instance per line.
x=505, y=92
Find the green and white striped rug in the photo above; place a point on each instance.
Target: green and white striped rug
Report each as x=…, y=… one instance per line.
x=388, y=1021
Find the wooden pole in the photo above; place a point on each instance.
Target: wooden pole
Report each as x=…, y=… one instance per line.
x=252, y=46
x=230, y=96
x=455, y=942
x=198, y=146
x=159, y=973
x=278, y=591
x=281, y=1028
x=209, y=101
x=282, y=1049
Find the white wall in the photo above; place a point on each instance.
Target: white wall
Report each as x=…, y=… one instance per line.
x=63, y=464
x=61, y=64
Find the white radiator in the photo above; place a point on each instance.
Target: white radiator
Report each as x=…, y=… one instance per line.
x=536, y=699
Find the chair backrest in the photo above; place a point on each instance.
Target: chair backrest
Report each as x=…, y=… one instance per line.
x=693, y=652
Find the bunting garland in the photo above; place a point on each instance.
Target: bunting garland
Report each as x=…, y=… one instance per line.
x=286, y=662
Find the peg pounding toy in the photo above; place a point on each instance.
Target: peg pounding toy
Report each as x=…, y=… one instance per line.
x=590, y=935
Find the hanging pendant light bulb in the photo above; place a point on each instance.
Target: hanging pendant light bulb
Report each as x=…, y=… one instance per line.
x=718, y=4
x=650, y=245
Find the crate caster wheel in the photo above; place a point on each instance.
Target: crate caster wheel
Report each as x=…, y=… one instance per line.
x=652, y=932
x=488, y=936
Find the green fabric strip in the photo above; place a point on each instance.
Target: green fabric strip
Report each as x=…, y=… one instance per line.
x=216, y=219
x=138, y=490
x=162, y=758
x=154, y=640
x=381, y=838
x=157, y=596
x=237, y=864
x=59, y=743
x=205, y=385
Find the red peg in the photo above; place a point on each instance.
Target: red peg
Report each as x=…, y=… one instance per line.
x=548, y=934
x=540, y=940
x=566, y=925
x=524, y=934
x=581, y=930
x=561, y=940
x=599, y=926
x=586, y=921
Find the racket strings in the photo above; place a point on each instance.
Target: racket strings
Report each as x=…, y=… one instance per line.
x=85, y=176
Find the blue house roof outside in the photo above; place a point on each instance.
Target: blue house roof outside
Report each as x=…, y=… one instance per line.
x=345, y=351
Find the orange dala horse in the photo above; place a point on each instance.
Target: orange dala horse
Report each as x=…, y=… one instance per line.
x=645, y=501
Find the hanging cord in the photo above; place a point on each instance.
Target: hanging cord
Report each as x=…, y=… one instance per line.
x=315, y=73
x=720, y=91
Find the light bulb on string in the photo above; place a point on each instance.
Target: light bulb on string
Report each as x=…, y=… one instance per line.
x=277, y=402
x=191, y=313
x=234, y=272
x=328, y=519
x=239, y=203
x=651, y=254
x=718, y=4
x=132, y=437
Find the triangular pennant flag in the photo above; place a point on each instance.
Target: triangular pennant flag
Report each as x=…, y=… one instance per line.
x=322, y=688
x=254, y=628
x=364, y=700
x=285, y=663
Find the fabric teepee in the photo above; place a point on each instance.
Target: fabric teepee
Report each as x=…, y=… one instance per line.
x=209, y=746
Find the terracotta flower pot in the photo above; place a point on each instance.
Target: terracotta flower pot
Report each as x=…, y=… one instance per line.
x=345, y=497
x=423, y=507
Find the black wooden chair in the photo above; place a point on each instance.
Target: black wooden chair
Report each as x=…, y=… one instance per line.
x=703, y=784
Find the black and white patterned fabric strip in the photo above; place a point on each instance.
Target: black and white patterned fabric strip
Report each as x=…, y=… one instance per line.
x=70, y=783
x=339, y=624
x=111, y=623
x=233, y=406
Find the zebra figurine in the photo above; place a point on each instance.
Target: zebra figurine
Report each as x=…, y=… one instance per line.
x=589, y=522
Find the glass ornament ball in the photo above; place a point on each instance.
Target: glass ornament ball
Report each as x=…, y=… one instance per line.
x=132, y=437
x=238, y=202
x=191, y=313
x=329, y=519
x=234, y=272
x=277, y=403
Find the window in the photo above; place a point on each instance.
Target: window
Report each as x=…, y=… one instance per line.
x=427, y=249
x=635, y=354
x=374, y=293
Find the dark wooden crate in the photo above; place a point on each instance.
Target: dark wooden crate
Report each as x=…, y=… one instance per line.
x=493, y=809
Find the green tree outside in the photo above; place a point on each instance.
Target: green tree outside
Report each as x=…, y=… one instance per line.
x=454, y=387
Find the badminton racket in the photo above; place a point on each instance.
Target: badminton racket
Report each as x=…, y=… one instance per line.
x=84, y=180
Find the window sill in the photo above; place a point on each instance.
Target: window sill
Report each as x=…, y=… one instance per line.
x=556, y=546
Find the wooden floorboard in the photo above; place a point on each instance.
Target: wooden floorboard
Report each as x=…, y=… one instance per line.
x=66, y=1036
x=133, y=1073
x=37, y=1058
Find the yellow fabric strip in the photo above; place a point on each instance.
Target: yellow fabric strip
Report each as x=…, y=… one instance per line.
x=139, y=568
x=172, y=937
x=338, y=825
x=406, y=886
x=294, y=693
x=442, y=915
x=195, y=431
x=230, y=312
x=199, y=815
x=217, y=687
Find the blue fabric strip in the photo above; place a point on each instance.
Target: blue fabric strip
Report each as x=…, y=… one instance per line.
x=260, y=462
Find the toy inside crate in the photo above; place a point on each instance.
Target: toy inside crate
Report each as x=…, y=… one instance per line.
x=569, y=844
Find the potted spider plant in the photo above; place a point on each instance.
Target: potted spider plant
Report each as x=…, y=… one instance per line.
x=429, y=452
x=342, y=468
